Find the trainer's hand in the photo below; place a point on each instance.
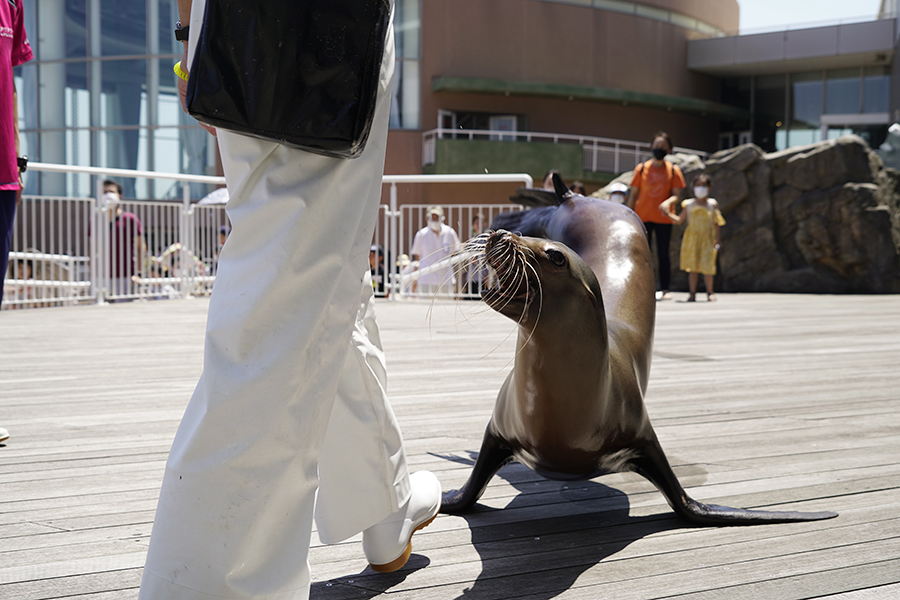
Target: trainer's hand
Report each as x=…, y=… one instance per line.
x=182, y=92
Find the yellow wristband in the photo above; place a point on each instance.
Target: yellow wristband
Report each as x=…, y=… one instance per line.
x=179, y=72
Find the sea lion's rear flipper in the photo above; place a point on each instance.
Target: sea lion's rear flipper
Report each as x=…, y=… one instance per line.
x=494, y=454
x=652, y=464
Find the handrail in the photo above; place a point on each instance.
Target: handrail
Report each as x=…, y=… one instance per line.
x=531, y=135
x=525, y=178
x=54, y=168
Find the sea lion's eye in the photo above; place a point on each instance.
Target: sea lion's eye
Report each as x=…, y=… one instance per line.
x=556, y=257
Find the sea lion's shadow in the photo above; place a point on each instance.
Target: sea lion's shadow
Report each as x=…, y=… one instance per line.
x=538, y=544
x=551, y=532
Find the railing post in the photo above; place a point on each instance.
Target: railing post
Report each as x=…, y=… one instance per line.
x=186, y=255
x=99, y=241
x=393, y=270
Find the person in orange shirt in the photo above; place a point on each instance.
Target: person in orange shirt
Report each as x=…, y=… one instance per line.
x=654, y=182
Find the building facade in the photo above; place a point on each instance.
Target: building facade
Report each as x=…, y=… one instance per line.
x=480, y=86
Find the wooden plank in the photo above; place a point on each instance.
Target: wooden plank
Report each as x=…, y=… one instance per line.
x=759, y=400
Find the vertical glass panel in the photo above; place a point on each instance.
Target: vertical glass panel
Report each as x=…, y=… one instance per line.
x=75, y=27
x=615, y=6
x=405, y=92
x=769, y=117
x=78, y=150
x=167, y=143
x=121, y=112
x=706, y=28
x=407, y=24
x=736, y=91
x=800, y=136
x=876, y=90
x=842, y=92
x=807, y=99
x=26, y=87
x=652, y=13
x=168, y=14
x=405, y=95
x=123, y=27
x=875, y=135
x=835, y=132
x=168, y=110
x=781, y=140
x=123, y=87
x=683, y=21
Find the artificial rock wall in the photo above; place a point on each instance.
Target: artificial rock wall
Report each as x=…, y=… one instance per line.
x=823, y=218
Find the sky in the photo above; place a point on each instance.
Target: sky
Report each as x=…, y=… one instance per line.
x=779, y=14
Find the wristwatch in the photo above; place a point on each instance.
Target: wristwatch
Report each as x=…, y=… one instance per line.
x=23, y=163
x=181, y=33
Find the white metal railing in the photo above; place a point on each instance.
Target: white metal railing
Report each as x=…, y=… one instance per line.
x=600, y=155
x=73, y=250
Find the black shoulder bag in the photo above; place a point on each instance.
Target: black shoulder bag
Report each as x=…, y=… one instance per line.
x=304, y=73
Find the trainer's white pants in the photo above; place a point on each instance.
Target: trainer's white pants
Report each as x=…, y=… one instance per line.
x=292, y=395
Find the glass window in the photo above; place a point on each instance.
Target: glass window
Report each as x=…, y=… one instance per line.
x=736, y=91
x=407, y=25
x=123, y=88
x=683, y=21
x=706, y=28
x=168, y=14
x=652, y=13
x=123, y=27
x=406, y=102
x=78, y=152
x=168, y=108
x=807, y=98
x=75, y=27
x=876, y=90
x=800, y=136
x=405, y=95
x=615, y=6
x=769, y=119
x=842, y=92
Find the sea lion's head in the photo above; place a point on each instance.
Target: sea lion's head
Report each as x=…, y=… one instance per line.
x=537, y=279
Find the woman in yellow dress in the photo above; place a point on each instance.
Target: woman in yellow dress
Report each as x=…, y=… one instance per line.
x=702, y=239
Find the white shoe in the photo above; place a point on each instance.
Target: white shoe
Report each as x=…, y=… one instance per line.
x=388, y=543
x=4, y=435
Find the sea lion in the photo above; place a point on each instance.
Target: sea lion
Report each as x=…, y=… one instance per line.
x=582, y=291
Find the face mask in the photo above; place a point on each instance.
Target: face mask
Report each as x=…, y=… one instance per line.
x=108, y=199
x=659, y=153
x=701, y=191
x=435, y=225
x=617, y=197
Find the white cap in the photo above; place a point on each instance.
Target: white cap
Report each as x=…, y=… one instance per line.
x=618, y=187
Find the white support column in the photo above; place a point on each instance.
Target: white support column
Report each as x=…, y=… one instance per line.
x=95, y=81
x=152, y=90
x=52, y=86
x=393, y=271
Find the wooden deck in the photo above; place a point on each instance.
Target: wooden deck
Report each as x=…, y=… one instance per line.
x=759, y=400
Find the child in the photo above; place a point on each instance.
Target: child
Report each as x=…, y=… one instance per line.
x=702, y=238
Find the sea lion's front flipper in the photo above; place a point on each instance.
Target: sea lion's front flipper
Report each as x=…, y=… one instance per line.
x=494, y=454
x=652, y=464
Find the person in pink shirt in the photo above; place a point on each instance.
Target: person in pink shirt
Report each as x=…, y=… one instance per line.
x=14, y=50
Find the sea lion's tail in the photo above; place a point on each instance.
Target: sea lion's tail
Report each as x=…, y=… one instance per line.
x=653, y=465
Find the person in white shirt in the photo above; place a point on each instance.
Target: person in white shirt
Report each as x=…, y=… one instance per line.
x=434, y=242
